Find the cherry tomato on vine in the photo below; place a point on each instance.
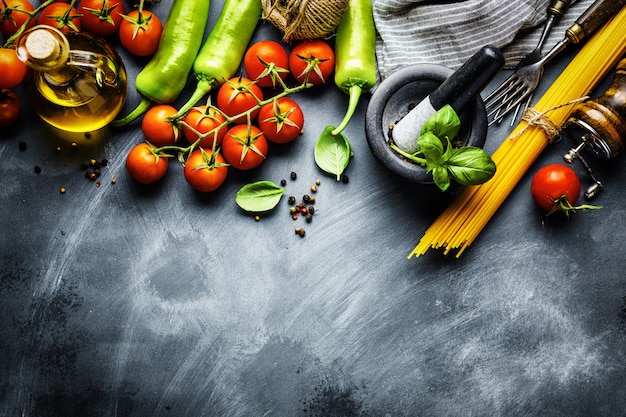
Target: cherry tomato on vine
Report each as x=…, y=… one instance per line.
x=554, y=187
x=144, y=165
x=13, y=19
x=61, y=16
x=205, y=171
x=238, y=95
x=244, y=147
x=263, y=55
x=281, y=120
x=202, y=121
x=12, y=69
x=101, y=17
x=10, y=107
x=157, y=127
x=312, y=61
x=140, y=35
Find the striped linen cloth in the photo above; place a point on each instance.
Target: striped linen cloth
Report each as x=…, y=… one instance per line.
x=449, y=32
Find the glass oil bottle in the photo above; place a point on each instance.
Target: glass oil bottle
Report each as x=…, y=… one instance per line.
x=76, y=82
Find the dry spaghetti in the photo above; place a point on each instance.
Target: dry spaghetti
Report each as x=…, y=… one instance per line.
x=458, y=226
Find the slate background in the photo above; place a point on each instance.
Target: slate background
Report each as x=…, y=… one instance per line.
x=126, y=300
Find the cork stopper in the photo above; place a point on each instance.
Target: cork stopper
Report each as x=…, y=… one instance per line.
x=43, y=48
x=42, y=45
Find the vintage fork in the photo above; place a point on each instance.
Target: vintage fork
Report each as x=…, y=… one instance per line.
x=524, y=81
x=554, y=11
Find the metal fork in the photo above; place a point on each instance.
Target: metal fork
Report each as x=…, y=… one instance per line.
x=554, y=11
x=524, y=81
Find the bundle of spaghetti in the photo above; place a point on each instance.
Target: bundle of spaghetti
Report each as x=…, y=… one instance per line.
x=459, y=224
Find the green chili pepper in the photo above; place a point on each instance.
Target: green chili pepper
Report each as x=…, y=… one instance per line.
x=220, y=56
x=355, y=55
x=165, y=76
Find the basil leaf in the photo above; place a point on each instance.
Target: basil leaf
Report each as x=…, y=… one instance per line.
x=441, y=178
x=432, y=149
x=470, y=166
x=259, y=197
x=444, y=123
x=332, y=152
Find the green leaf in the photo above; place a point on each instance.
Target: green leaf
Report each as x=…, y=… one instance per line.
x=432, y=149
x=445, y=123
x=441, y=178
x=470, y=166
x=259, y=197
x=332, y=152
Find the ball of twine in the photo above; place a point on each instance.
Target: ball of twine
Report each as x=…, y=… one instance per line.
x=304, y=19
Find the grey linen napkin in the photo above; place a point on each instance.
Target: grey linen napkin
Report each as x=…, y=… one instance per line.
x=449, y=32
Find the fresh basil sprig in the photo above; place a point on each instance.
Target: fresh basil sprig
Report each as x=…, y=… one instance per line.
x=332, y=152
x=467, y=165
x=259, y=196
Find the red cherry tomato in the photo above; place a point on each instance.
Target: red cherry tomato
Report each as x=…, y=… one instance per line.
x=263, y=55
x=144, y=165
x=200, y=121
x=61, y=16
x=239, y=95
x=101, y=17
x=12, y=69
x=13, y=19
x=10, y=107
x=555, y=184
x=140, y=37
x=156, y=126
x=312, y=61
x=244, y=147
x=281, y=120
x=205, y=171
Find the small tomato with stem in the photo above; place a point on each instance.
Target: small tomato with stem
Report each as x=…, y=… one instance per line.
x=205, y=170
x=140, y=32
x=205, y=121
x=244, y=146
x=101, y=17
x=13, y=14
x=265, y=62
x=158, y=126
x=61, y=16
x=282, y=120
x=146, y=164
x=312, y=61
x=239, y=95
x=556, y=187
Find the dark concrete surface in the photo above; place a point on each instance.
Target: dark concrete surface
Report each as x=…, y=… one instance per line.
x=127, y=300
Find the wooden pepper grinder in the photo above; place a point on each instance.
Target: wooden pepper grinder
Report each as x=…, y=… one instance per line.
x=602, y=123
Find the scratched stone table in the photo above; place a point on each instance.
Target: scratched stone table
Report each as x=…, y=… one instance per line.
x=127, y=300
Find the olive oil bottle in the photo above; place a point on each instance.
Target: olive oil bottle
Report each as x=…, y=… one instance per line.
x=76, y=82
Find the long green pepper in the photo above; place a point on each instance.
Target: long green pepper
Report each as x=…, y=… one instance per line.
x=165, y=76
x=220, y=56
x=355, y=55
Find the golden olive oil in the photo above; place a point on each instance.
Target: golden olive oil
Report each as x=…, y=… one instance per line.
x=84, y=93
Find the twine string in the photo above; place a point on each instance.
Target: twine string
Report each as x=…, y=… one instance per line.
x=539, y=119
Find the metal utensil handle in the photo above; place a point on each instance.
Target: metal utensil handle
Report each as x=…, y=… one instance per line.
x=600, y=12
x=557, y=8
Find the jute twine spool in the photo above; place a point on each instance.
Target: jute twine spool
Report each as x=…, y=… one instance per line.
x=304, y=19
